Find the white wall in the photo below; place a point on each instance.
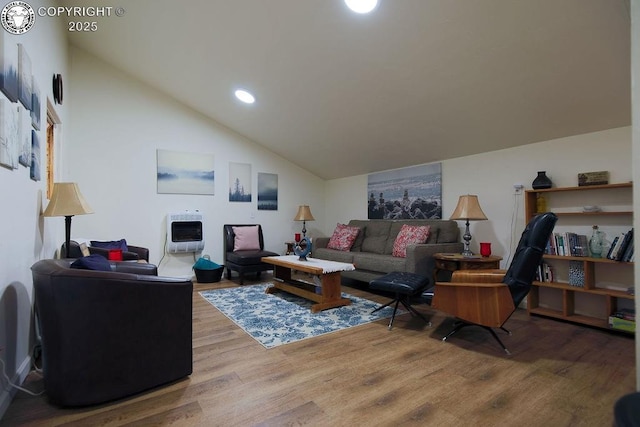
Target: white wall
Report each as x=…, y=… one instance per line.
x=119, y=123
x=491, y=176
x=27, y=236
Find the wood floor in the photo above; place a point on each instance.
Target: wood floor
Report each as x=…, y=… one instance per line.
x=559, y=374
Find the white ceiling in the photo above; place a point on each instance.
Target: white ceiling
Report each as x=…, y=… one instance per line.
x=417, y=81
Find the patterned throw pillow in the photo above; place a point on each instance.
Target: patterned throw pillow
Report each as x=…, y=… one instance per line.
x=409, y=234
x=343, y=237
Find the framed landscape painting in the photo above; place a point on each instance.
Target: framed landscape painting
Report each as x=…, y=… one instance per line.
x=8, y=66
x=25, y=78
x=409, y=193
x=185, y=173
x=239, y=182
x=267, y=191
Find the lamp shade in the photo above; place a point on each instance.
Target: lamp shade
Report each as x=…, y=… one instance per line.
x=468, y=209
x=304, y=214
x=67, y=200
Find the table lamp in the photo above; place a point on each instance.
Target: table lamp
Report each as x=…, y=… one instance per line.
x=304, y=215
x=67, y=201
x=468, y=209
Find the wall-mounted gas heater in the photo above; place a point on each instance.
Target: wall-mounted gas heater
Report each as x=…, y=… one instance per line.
x=184, y=232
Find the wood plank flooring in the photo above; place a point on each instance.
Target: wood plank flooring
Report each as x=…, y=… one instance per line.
x=559, y=374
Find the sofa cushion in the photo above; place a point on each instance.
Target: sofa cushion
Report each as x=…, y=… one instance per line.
x=333, y=255
x=248, y=257
x=92, y=262
x=376, y=235
x=246, y=238
x=378, y=262
x=343, y=237
x=409, y=234
x=113, y=244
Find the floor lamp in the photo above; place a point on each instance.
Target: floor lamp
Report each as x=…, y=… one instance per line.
x=67, y=201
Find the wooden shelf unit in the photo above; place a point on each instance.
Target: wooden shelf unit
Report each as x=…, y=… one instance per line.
x=562, y=295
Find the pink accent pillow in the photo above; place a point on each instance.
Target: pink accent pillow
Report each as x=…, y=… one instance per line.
x=343, y=237
x=409, y=234
x=246, y=238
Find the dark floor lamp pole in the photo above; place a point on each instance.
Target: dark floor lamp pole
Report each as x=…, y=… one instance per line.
x=67, y=235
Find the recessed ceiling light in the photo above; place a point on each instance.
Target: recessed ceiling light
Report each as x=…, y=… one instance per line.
x=361, y=6
x=245, y=96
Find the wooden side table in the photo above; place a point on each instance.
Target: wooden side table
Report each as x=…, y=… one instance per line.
x=452, y=262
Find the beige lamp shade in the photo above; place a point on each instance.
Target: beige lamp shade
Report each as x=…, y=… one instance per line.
x=468, y=209
x=304, y=214
x=67, y=200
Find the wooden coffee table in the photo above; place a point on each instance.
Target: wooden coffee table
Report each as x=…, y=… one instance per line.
x=325, y=290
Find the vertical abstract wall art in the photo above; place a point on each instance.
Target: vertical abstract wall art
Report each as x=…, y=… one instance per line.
x=35, y=105
x=9, y=133
x=185, y=173
x=8, y=66
x=409, y=193
x=24, y=139
x=267, y=191
x=35, y=156
x=239, y=182
x=25, y=78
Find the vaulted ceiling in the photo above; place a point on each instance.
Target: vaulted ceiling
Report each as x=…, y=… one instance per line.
x=414, y=82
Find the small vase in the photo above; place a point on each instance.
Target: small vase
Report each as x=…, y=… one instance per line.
x=541, y=204
x=596, y=243
x=541, y=181
x=485, y=249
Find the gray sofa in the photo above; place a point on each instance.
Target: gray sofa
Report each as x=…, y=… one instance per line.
x=371, y=253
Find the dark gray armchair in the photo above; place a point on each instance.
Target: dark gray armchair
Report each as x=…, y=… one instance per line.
x=110, y=334
x=244, y=261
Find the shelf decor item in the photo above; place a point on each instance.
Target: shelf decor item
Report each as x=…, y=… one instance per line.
x=596, y=243
x=485, y=249
x=593, y=178
x=542, y=181
x=541, y=203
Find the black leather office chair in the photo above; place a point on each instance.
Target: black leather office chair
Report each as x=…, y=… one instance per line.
x=487, y=298
x=244, y=261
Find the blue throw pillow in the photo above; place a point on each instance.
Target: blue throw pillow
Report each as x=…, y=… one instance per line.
x=92, y=262
x=114, y=244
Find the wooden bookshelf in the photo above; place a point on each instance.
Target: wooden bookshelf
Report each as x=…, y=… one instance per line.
x=559, y=299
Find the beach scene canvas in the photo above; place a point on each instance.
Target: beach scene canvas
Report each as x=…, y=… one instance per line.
x=408, y=193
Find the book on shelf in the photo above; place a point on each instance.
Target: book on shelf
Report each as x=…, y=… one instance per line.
x=626, y=243
x=613, y=245
x=616, y=248
x=568, y=244
x=545, y=273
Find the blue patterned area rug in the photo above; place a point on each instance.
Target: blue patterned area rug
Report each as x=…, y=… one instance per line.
x=282, y=318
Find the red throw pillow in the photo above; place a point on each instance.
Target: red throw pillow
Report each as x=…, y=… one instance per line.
x=409, y=234
x=343, y=237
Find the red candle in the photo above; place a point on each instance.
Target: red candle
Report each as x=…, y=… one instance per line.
x=485, y=249
x=297, y=237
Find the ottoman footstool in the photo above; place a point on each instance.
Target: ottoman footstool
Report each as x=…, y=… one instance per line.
x=405, y=286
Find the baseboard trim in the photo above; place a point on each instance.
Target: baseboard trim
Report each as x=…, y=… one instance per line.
x=6, y=396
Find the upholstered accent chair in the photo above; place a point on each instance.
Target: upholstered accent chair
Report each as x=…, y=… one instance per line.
x=488, y=298
x=244, y=249
x=110, y=334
